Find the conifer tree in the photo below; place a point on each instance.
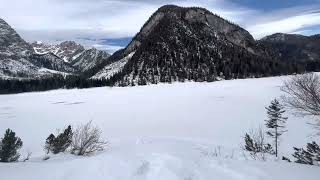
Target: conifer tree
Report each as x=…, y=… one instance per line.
x=60, y=143
x=275, y=122
x=9, y=146
x=249, y=144
x=49, y=143
x=63, y=141
x=309, y=156
x=302, y=156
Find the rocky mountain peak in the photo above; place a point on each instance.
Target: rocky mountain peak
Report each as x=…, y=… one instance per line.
x=274, y=37
x=73, y=54
x=19, y=59
x=71, y=45
x=89, y=58
x=281, y=37
x=172, y=16
x=293, y=47
x=11, y=43
x=178, y=44
x=66, y=50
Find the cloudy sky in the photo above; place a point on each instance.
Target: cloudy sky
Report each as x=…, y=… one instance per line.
x=109, y=24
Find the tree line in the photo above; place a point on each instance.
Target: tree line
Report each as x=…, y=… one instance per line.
x=49, y=83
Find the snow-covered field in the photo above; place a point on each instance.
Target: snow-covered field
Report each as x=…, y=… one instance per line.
x=186, y=131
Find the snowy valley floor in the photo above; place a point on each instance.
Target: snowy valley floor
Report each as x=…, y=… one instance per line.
x=187, y=131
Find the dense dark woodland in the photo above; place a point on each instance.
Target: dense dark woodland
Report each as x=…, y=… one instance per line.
x=44, y=84
x=179, y=44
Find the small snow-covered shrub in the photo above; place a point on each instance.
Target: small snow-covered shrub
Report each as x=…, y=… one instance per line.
x=60, y=143
x=87, y=139
x=256, y=145
x=9, y=146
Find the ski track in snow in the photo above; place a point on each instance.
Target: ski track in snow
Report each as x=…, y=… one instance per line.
x=180, y=131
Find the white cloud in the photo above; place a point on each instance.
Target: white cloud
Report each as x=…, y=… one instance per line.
x=57, y=20
x=288, y=25
x=288, y=20
x=109, y=48
x=115, y=17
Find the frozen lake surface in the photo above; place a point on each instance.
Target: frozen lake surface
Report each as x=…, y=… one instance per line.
x=165, y=130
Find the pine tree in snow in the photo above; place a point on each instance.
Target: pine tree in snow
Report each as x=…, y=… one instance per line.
x=309, y=156
x=9, y=146
x=275, y=122
x=249, y=144
x=63, y=140
x=60, y=143
x=49, y=143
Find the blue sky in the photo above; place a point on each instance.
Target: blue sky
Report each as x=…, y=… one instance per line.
x=269, y=5
x=110, y=24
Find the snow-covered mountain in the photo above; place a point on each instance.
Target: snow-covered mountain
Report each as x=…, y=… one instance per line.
x=113, y=68
x=88, y=59
x=14, y=52
x=74, y=54
x=178, y=44
x=11, y=44
x=294, y=48
x=53, y=62
x=175, y=44
x=18, y=59
x=66, y=50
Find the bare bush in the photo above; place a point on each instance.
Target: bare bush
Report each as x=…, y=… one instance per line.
x=87, y=139
x=303, y=95
x=27, y=158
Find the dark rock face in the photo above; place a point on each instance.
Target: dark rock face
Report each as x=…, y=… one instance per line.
x=178, y=44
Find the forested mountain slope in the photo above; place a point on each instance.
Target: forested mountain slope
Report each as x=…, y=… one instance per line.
x=178, y=44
